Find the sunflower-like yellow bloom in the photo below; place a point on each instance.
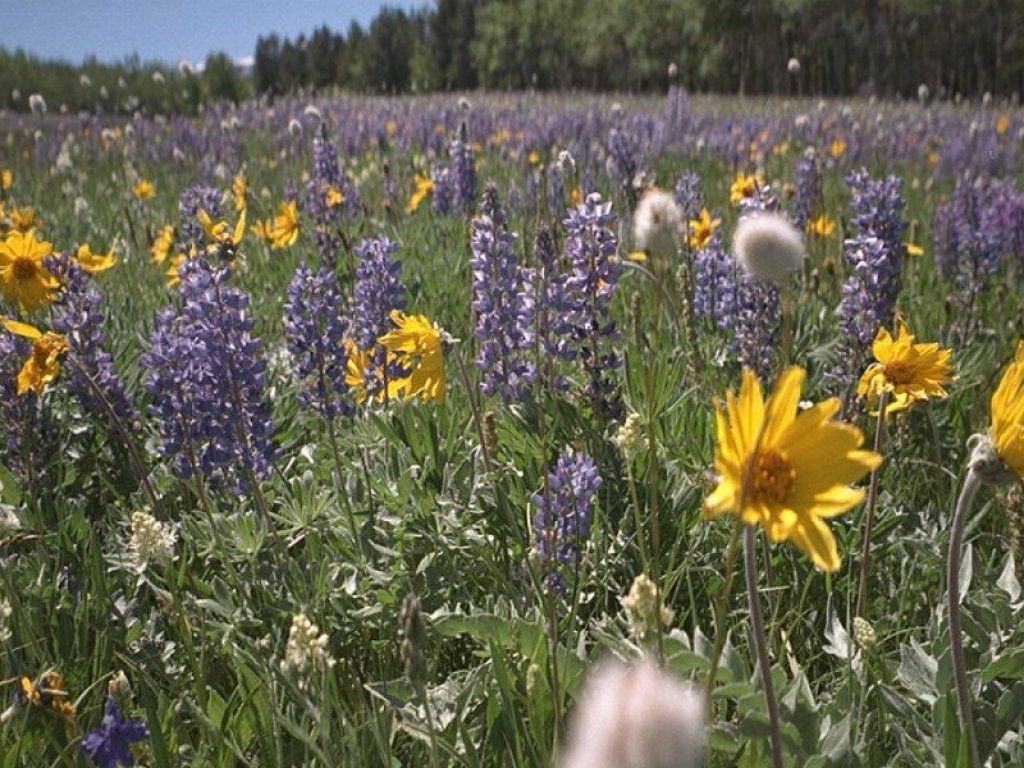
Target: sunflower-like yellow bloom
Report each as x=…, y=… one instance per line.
x=787, y=471
x=744, y=185
x=23, y=275
x=417, y=344
x=822, y=226
x=94, y=262
x=333, y=197
x=161, y=247
x=907, y=371
x=286, y=226
x=264, y=231
x=423, y=187
x=701, y=229
x=837, y=148
x=144, y=189
x=1007, y=430
x=363, y=375
x=24, y=219
x=239, y=189
x=220, y=234
x=43, y=363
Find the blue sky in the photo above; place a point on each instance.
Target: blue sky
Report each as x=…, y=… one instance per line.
x=168, y=31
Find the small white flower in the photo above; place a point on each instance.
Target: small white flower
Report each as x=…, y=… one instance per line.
x=464, y=104
x=15, y=95
x=311, y=111
x=151, y=541
x=673, y=70
x=121, y=83
x=636, y=716
x=104, y=93
x=566, y=163
x=158, y=77
x=85, y=81
x=986, y=99
x=37, y=104
x=306, y=651
x=295, y=128
x=793, y=66
x=630, y=437
x=768, y=247
x=658, y=223
x=184, y=68
x=642, y=610
x=923, y=92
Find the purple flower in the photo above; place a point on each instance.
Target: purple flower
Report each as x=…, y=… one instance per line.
x=591, y=246
x=689, y=196
x=206, y=378
x=378, y=290
x=622, y=163
x=110, y=744
x=326, y=176
x=562, y=521
x=550, y=304
x=315, y=329
x=78, y=316
x=807, y=200
x=503, y=317
x=463, y=168
x=715, y=284
x=190, y=203
x=443, y=195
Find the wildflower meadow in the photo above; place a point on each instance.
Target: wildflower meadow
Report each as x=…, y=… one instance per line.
x=513, y=430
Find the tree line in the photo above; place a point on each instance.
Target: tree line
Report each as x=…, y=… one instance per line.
x=882, y=47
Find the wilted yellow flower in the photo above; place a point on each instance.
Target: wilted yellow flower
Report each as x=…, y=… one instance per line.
x=787, y=471
x=144, y=189
x=23, y=275
x=24, y=219
x=286, y=225
x=837, y=148
x=822, y=226
x=239, y=189
x=43, y=363
x=48, y=692
x=418, y=346
x=1007, y=430
x=94, y=262
x=907, y=371
x=161, y=247
x=424, y=186
x=701, y=229
x=744, y=185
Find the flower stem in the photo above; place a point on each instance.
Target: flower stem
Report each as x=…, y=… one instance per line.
x=761, y=642
x=956, y=646
x=721, y=605
x=869, y=512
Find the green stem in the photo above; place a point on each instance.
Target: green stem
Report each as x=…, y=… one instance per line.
x=869, y=514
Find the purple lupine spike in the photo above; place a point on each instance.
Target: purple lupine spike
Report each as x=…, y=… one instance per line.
x=326, y=175
x=561, y=525
x=807, y=181
x=715, y=284
x=463, y=168
x=689, y=196
x=191, y=201
x=591, y=247
x=378, y=290
x=78, y=316
x=205, y=363
x=110, y=744
x=315, y=328
x=443, y=195
x=503, y=318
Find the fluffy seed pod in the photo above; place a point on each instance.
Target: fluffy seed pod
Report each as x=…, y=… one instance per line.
x=768, y=247
x=658, y=223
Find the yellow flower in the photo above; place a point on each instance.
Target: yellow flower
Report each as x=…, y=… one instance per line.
x=391, y=126
x=44, y=361
x=334, y=197
x=220, y=233
x=787, y=471
x=908, y=371
x=24, y=277
x=358, y=369
x=913, y=250
x=701, y=229
x=781, y=149
x=239, y=188
x=1003, y=124
x=94, y=262
x=144, y=189
x=837, y=148
x=576, y=195
x=161, y=247
x=744, y=185
x=6, y=178
x=264, y=230
x=822, y=226
x=48, y=693
x=424, y=187
x=1007, y=430
x=172, y=269
x=534, y=157
x=417, y=344
x=286, y=225
x=24, y=219
x=638, y=256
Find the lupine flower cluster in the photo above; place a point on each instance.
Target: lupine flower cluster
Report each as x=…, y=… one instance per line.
x=716, y=284
x=503, y=314
x=591, y=247
x=689, y=195
x=807, y=193
x=967, y=246
x=329, y=191
x=316, y=328
x=442, y=197
x=561, y=524
x=463, y=169
x=550, y=304
x=622, y=163
x=378, y=291
x=190, y=203
x=875, y=254
x=206, y=377
x=109, y=745
x=77, y=315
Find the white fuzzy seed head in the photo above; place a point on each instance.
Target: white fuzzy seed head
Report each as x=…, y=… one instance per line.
x=673, y=71
x=37, y=104
x=768, y=247
x=636, y=716
x=793, y=66
x=313, y=112
x=658, y=223
x=295, y=128
x=566, y=163
x=923, y=92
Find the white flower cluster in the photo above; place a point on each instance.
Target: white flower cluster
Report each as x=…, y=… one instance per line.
x=306, y=650
x=630, y=438
x=151, y=541
x=5, y=617
x=641, y=605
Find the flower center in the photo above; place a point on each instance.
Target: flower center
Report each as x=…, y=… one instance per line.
x=24, y=268
x=772, y=477
x=899, y=372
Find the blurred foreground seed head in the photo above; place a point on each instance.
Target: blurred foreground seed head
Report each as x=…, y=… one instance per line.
x=658, y=223
x=636, y=716
x=768, y=246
